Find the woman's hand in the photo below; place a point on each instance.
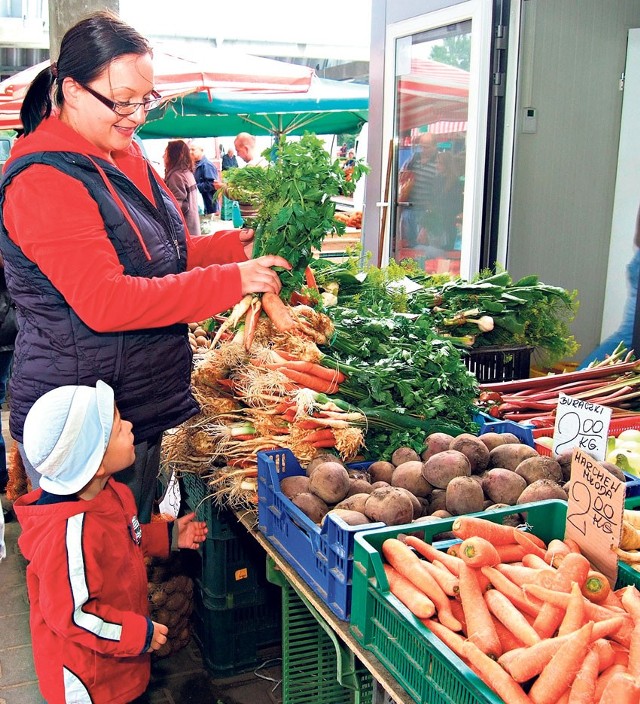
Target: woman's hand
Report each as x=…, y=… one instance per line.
x=258, y=277
x=246, y=237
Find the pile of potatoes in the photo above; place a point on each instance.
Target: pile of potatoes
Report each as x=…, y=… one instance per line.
x=452, y=476
x=199, y=339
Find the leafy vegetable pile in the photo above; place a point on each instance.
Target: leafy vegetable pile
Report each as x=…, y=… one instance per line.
x=491, y=309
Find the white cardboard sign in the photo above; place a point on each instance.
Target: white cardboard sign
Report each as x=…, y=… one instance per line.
x=594, y=512
x=581, y=424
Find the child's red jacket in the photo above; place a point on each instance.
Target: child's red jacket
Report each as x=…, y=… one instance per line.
x=87, y=586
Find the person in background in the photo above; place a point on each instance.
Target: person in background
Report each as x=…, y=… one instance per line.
x=182, y=183
x=206, y=176
x=103, y=273
x=86, y=577
x=420, y=170
x=624, y=333
x=247, y=150
x=8, y=332
x=350, y=161
x=229, y=160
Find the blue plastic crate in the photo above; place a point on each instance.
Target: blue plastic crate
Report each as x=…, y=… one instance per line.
x=322, y=556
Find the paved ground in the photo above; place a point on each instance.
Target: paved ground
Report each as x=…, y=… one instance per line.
x=178, y=679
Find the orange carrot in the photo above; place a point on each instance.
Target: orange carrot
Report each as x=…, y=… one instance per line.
x=416, y=601
x=563, y=667
x=556, y=551
x=320, y=434
x=480, y=628
x=576, y=567
x=622, y=688
x=310, y=279
x=312, y=368
x=494, y=676
x=596, y=587
x=634, y=651
x=427, y=550
x=526, y=604
x=539, y=542
x=572, y=545
x=594, y=612
x=454, y=551
x=471, y=526
x=630, y=599
x=447, y=636
x=552, y=579
x=511, y=553
x=310, y=381
x=525, y=663
x=277, y=312
x=478, y=552
x=620, y=654
x=526, y=540
x=457, y=611
x=409, y=565
x=534, y=562
x=574, y=617
x=606, y=653
x=518, y=574
x=613, y=600
x=447, y=581
x=507, y=640
x=603, y=679
x=584, y=686
x=510, y=617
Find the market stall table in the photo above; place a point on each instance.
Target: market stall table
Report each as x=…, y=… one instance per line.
x=249, y=520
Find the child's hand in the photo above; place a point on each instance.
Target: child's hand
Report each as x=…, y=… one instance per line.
x=159, y=636
x=191, y=533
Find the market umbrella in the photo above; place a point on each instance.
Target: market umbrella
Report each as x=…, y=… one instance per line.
x=328, y=107
x=179, y=74
x=433, y=93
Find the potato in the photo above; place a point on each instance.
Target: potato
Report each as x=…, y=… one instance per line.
x=417, y=506
x=199, y=330
x=437, y=500
x=357, y=474
x=442, y=467
x=615, y=470
x=202, y=341
x=424, y=502
x=541, y=490
x=408, y=475
x=319, y=459
x=351, y=518
x=311, y=505
x=476, y=451
x=511, y=439
x=355, y=502
x=434, y=443
x=514, y=520
x=404, y=454
x=534, y=468
x=379, y=484
x=389, y=505
x=564, y=460
x=359, y=486
x=290, y=486
x=510, y=455
x=329, y=481
x=492, y=440
x=503, y=486
x=381, y=471
x=464, y=495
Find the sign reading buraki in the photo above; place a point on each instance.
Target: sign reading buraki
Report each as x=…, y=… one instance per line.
x=595, y=511
x=581, y=424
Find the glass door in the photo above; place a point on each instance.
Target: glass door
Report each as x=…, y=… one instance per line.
x=438, y=77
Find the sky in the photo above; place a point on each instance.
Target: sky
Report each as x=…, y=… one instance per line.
x=341, y=22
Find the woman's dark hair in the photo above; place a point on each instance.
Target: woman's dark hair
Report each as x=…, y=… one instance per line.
x=86, y=50
x=178, y=155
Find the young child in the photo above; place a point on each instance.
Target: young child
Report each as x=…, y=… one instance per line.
x=86, y=576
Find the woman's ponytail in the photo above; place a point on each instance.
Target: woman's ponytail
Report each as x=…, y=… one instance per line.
x=37, y=103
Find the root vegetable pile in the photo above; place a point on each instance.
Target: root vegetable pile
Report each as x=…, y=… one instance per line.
x=541, y=630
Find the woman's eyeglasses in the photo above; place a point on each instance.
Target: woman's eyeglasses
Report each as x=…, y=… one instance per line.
x=126, y=109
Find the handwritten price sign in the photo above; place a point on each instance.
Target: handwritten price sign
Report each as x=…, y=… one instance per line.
x=581, y=424
x=594, y=513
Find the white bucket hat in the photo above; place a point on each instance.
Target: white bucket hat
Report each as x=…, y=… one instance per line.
x=66, y=434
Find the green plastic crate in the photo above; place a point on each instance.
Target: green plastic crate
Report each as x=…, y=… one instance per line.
x=423, y=665
x=232, y=572
x=316, y=667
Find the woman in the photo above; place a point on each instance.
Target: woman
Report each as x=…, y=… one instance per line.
x=102, y=272
x=182, y=183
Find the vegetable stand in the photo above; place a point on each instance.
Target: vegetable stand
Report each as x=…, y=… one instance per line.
x=338, y=627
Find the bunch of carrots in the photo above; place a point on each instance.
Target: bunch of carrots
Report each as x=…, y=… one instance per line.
x=534, y=621
x=535, y=400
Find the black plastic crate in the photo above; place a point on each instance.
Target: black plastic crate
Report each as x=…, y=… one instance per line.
x=231, y=639
x=492, y=364
x=231, y=569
